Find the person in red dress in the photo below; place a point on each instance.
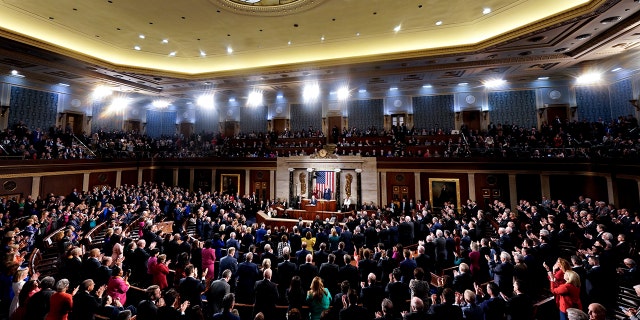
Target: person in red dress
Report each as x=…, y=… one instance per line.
x=61, y=302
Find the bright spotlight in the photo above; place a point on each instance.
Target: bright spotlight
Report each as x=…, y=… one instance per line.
x=160, y=104
x=495, y=83
x=589, y=78
x=255, y=98
x=118, y=104
x=343, y=93
x=311, y=92
x=101, y=92
x=205, y=101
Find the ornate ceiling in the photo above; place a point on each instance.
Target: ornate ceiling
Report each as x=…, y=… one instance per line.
x=228, y=46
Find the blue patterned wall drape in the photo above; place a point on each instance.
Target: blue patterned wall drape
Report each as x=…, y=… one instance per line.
x=304, y=116
x=513, y=107
x=37, y=109
x=160, y=123
x=103, y=120
x=207, y=121
x=621, y=93
x=593, y=103
x=433, y=112
x=363, y=114
x=253, y=119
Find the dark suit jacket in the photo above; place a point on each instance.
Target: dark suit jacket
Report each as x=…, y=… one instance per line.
x=462, y=282
x=320, y=257
x=371, y=297
x=228, y=262
x=421, y=315
x=286, y=271
x=519, y=307
x=307, y=272
x=247, y=276
x=216, y=292
x=330, y=275
x=354, y=312
x=351, y=274
x=445, y=311
x=85, y=306
x=266, y=297
x=190, y=289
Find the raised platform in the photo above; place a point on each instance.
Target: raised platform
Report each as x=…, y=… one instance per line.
x=295, y=215
x=321, y=205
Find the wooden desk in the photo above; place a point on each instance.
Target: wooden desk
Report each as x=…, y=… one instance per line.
x=321, y=205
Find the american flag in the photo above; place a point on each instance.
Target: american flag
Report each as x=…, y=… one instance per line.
x=324, y=180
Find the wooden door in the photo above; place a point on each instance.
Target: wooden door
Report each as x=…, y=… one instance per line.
x=74, y=121
x=260, y=188
x=229, y=128
x=471, y=119
x=186, y=129
x=132, y=125
x=334, y=122
x=559, y=111
x=279, y=125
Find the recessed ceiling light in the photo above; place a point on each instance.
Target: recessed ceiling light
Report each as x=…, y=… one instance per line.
x=203, y=54
x=357, y=34
x=439, y=22
x=486, y=10
x=397, y=28
x=141, y=36
x=232, y=99
x=463, y=84
x=280, y=96
x=14, y=72
x=616, y=69
x=172, y=54
x=64, y=84
x=393, y=88
x=289, y=43
x=322, y=38
x=165, y=40
x=589, y=78
x=494, y=83
x=427, y=86
x=137, y=48
x=543, y=78
x=362, y=90
x=229, y=50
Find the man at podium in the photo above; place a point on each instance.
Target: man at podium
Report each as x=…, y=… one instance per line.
x=327, y=194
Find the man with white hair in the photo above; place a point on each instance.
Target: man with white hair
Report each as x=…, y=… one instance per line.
x=502, y=272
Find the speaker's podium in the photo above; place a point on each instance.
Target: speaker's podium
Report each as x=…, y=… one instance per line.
x=321, y=205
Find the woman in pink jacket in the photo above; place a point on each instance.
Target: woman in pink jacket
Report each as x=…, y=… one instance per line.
x=118, y=285
x=208, y=259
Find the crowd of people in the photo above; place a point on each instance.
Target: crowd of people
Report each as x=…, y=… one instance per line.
x=361, y=268
x=582, y=140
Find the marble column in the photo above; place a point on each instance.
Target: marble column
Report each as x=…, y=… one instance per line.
x=337, y=191
x=359, y=188
x=291, y=186
x=310, y=188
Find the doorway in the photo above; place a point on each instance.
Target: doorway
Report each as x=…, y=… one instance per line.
x=279, y=125
x=557, y=111
x=132, y=125
x=74, y=121
x=334, y=122
x=230, y=128
x=471, y=119
x=186, y=129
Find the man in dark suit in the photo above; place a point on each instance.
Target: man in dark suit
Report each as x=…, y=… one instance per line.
x=307, y=271
x=446, y=309
x=190, y=288
x=247, y=276
x=301, y=255
x=217, y=290
x=321, y=256
x=417, y=311
x=231, y=263
x=85, y=305
x=407, y=266
x=423, y=261
x=147, y=309
x=367, y=265
x=228, y=301
x=398, y=292
x=91, y=264
x=286, y=271
x=371, y=295
x=520, y=306
x=266, y=296
x=340, y=253
x=329, y=272
x=351, y=310
x=349, y=273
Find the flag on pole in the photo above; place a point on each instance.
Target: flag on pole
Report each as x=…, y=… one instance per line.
x=325, y=180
